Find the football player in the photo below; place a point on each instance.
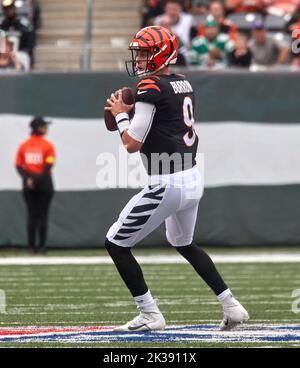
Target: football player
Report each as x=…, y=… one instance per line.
x=162, y=130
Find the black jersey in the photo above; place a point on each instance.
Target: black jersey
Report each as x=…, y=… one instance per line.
x=171, y=144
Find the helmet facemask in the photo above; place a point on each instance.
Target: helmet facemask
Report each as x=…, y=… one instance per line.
x=132, y=65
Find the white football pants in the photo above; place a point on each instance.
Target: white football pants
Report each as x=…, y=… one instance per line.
x=171, y=198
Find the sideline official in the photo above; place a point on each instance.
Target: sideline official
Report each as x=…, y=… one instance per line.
x=34, y=162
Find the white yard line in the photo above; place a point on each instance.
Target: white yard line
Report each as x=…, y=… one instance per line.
x=157, y=259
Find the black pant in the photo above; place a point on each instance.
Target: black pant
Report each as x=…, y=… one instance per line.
x=37, y=203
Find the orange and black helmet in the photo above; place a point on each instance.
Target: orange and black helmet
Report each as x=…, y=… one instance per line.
x=161, y=46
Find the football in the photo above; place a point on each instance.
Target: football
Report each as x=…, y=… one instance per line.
x=128, y=98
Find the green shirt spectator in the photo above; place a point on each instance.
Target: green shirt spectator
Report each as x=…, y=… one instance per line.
x=210, y=50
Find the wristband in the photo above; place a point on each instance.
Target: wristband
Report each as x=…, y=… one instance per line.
x=122, y=120
x=121, y=116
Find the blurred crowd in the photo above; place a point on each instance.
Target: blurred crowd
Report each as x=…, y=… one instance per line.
x=19, y=20
x=255, y=34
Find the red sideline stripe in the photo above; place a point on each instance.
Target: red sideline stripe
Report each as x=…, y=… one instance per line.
x=41, y=330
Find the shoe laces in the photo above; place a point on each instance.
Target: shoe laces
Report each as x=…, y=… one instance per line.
x=140, y=318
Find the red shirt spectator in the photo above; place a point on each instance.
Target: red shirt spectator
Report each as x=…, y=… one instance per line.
x=36, y=153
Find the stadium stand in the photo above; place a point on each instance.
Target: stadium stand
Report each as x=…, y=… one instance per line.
x=93, y=34
x=111, y=33
x=60, y=39
x=76, y=34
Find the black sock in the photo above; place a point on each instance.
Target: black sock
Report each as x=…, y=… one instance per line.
x=204, y=266
x=128, y=268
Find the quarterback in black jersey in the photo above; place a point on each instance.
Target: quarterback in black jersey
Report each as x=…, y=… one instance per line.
x=162, y=129
x=172, y=125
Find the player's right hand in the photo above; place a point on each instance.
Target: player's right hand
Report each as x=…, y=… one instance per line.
x=116, y=104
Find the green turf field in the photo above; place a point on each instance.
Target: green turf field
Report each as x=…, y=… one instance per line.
x=94, y=295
